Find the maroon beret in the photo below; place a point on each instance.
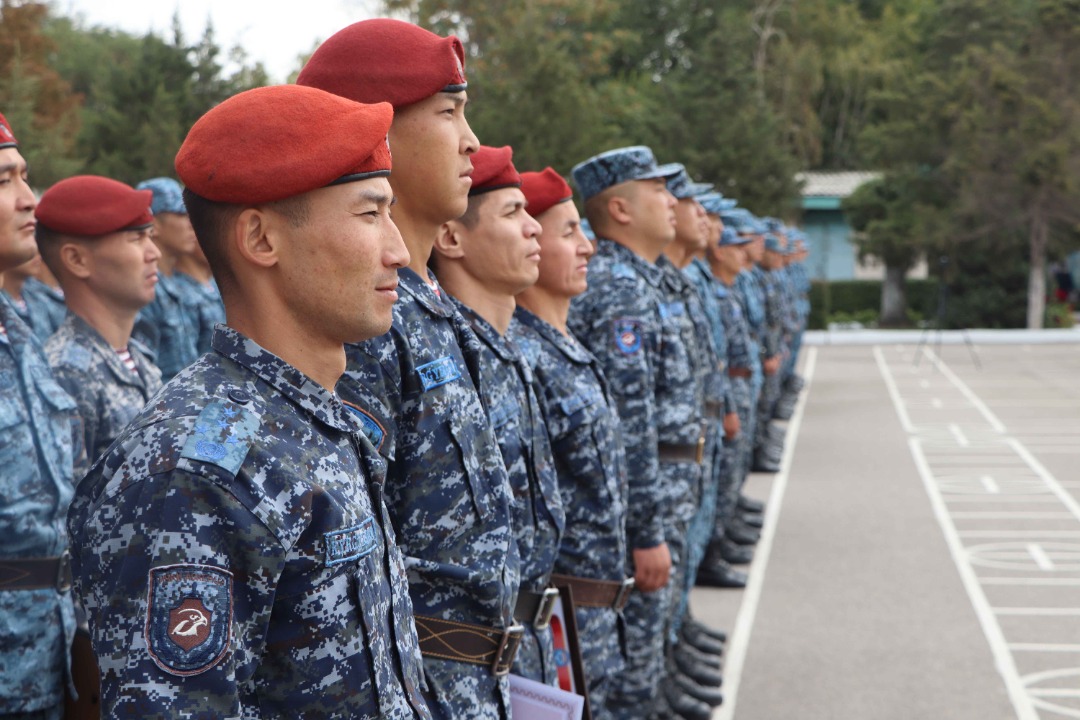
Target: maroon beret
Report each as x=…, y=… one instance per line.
x=386, y=60
x=7, y=138
x=544, y=189
x=493, y=170
x=275, y=142
x=91, y=205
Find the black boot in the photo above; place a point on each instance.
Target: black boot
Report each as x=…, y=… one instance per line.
x=704, y=676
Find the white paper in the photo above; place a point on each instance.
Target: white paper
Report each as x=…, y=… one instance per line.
x=530, y=700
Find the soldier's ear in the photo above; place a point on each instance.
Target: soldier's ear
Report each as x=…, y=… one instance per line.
x=448, y=241
x=75, y=259
x=254, y=239
x=618, y=208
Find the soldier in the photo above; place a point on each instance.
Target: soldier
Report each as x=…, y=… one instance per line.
x=199, y=295
x=165, y=326
x=483, y=259
x=235, y=555
x=623, y=319
x=37, y=453
x=779, y=324
x=44, y=295
x=799, y=282
x=584, y=427
x=447, y=487
x=107, y=265
x=33, y=308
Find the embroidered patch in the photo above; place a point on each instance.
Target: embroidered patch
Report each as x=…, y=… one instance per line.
x=351, y=543
x=77, y=357
x=438, y=372
x=672, y=309
x=189, y=612
x=627, y=335
x=223, y=434
x=373, y=431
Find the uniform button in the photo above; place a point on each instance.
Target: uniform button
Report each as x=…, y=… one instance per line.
x=239, y=396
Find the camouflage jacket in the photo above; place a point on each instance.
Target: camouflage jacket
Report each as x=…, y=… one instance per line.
x=742, y=348
x=447, y=488
x=107, y=393
x=235, y=557
x=165, y=328
x=706, y=301
x=37, y=452
x=202, y=303
x=772, y=331
x=39, y=307
x=688, y=360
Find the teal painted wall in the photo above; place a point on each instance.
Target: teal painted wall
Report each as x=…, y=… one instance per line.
x=832, y=256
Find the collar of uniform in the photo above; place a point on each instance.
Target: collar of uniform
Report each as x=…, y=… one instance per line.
x=83, y=333
x=486, y=332
x=673, y=276
x=283, y=377
x=650, y=271
x=415, y=286
x=571, y=348
x=16, y=331
x=168, y=285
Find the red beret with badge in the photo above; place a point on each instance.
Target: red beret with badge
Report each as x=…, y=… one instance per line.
x=493, y=169
x=91, y=206
x=386, y=60
x=7, y=137
x=276, y=142
x=544, y=190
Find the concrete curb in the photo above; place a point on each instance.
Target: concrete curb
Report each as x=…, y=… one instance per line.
x=942, y=337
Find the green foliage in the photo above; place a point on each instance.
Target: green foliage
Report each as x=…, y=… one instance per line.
x=1059, y=315
x=861, y=299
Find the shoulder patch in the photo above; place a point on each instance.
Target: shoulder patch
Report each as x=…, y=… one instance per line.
x=672, y=309
x=438, y=372
x=189, y=611
x=222, y=436
x=623, y=270
x=76, y=356
x=374, y=431
x=627, y=333
x=352, y=543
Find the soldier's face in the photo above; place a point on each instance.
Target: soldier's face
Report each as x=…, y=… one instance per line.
x=716, y=228
x=501, y=251
x=732, y=258
x=564, y=251
x=339, y=267
x=121, y=268
x=174, y=235
x=690, y=228
x=653, y=208
x=17, y=205
x=431, y=141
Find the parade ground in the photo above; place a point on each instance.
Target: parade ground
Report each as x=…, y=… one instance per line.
x=921, y=557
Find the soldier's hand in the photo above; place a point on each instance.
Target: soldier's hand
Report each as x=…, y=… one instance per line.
x=652, y=567
x=771, y=365
x=732, y=426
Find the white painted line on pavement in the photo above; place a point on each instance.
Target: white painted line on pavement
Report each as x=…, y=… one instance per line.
x=1039, y=611
x=961, y=438
x=1005, y=515
x=1040, y=557
x=890, y=385
x=1045, y=647
x=924, y=384
x=1020, y=533
x=936, y=402
x=739, y=641
x=1031, y=581
x=963, y=388
x=989, y=483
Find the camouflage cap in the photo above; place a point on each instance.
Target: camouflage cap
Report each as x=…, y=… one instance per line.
x=715, y=203
x=683, y=187
x=730, y=237
x=168, y=195
x=614, y=167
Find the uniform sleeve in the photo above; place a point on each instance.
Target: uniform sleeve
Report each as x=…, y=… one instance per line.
x=178, y=579
x=84, y=429
x=616, y=328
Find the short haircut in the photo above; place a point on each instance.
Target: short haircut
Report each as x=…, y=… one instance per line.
x=49, y=242
x=472, y=212
x=596, y=211
x=212, y=222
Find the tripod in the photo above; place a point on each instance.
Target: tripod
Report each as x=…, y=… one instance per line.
x=939, y=321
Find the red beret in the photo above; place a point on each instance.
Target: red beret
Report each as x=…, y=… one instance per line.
x=91, y=205
x=386, y=60
x=493, y=170
x=275, y=142
x=7, y=138
x=544, y=189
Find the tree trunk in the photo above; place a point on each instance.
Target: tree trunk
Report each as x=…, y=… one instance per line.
x=1036, y=305
x=893, y=298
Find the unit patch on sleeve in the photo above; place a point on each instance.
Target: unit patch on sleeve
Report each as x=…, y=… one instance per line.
x=189, y=613
x=627, y=335
x=351, y=543
x=438, y=372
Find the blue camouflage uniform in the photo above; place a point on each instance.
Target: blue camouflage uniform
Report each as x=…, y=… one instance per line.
x=591, y=466
x=769, y=441
x=107, y=393
x=509, y=387
x=37, y=451
x=42, y=308
x=235, y=556
x=166, y=329
x=202, y=303
x=447, y=487
x=743, y=356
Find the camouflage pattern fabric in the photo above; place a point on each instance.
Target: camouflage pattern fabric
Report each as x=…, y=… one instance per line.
x=202, y=303
x=591, y=467
x=235, y=557
x=37, y=453
x=45, y=308
x=164, y=327
x=107, y=393
x=538, y=517
x=447, y=488
x=742, y=353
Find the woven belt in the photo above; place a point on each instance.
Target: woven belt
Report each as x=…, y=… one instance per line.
x=536, y=608
x=714, y=409
x=670, y=452
x=597, y=593
x=465, y=642
x=36, y=573
x=740, y=372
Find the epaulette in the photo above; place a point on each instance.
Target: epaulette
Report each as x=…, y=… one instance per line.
x=76, y=356
x=223, y=432
x=623, y=270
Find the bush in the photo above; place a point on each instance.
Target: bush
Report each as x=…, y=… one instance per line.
x=1058, y=315
x=859, y=300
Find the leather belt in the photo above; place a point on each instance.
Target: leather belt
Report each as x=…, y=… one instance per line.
x=597, y=593
x=466, y=642
x=714, y=409
x=670, y=452
x=536, y=608
x=36, y=573
x=740, y=372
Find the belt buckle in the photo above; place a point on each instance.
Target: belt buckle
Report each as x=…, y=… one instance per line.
x=63, y=572
x=508, y=647
x=700, y=450
x=545, y=608
x=623, y=595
